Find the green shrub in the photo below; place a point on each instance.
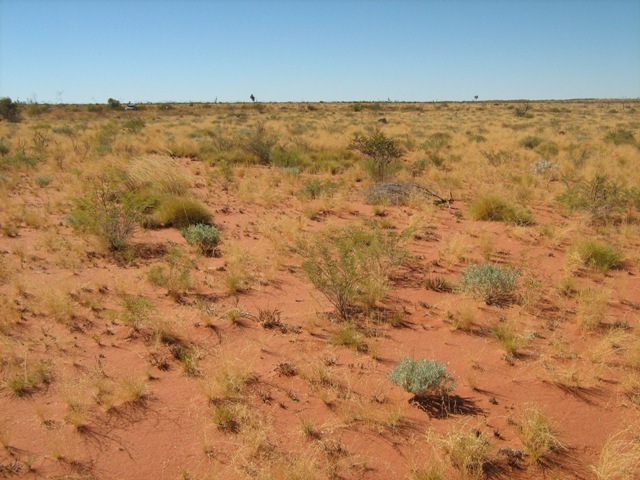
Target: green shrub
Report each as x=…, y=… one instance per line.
x=494, y=284
x=9, y=110
x=134, y=125
x=437, y=141
x=599, y=255
x=179, y=212
x=259, y=142
x=18, y=160
x=113, y=103
x=108, y=211
x=4, y=148
x=531, y=142
x=490, y=207
x=382, y=153
x=315, y=188
x=601, y=197
x=43, y=180
x=620, y=136
x=205, y=237
x=351, y=266
x=349, y=336
x=422, y=378
x=547, y=149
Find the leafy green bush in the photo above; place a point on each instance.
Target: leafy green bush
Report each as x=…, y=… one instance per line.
x=491, y=207
x=205, y=237
x=382, y=153
x=179, y=212
x=494, y=284
x=351, y=266
x=422, y=378
x=599, y=255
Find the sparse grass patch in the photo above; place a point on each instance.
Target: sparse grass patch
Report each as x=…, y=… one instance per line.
x=619, y=458
x=468, y=450
x=592, y=308
x=348, y=335
x=179, y=212
x=599, y=255
x=538, y=434
x=507, y=334
x=439, y=284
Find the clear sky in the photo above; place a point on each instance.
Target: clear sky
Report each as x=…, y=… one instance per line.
x=78, y=51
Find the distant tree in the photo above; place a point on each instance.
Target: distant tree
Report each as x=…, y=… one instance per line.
x=253, y=99
x=9, y=110
x=475, y=97
x=113, y=103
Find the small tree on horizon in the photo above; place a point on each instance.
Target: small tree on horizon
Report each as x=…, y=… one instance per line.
x=9, y=109
x=113, y=103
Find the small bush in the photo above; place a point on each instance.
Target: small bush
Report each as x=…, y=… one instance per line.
x=599, y=255
x=493, y=284
x=531, y=142
x=43, y=180
x=109, y=212
x=423, y=378
x=179, y=212
x=620, y=136
x=9, y=110
x=4, y=148
x=547, y=149
x=259, y=142
x=205, y=237
x=495, y=209
x=382, y=153
x=351, y=266
x=601, y=197
x=349, y=336
x=134, y=125
x=315, y=188
x=18, y=160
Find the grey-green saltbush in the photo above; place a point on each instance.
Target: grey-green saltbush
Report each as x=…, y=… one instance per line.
x=205, y=237
x=422, y=378
x=494, y=284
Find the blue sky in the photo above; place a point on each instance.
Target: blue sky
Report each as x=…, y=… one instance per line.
x=85, y=51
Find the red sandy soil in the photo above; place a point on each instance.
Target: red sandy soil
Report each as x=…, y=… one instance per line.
x=170, y=434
